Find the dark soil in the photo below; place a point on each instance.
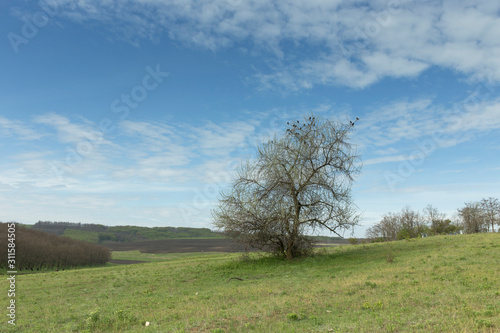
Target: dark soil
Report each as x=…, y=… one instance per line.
x=125, y=262
x=177, y=246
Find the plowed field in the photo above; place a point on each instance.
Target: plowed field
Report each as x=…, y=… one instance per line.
x=177, y=246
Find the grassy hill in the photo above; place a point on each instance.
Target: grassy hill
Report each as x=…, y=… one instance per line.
x=435, y=284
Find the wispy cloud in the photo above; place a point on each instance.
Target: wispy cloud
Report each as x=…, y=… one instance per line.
x=71, y=132
x=479, y=116
x=76, y=152
x=358, y=43
x=386, y=159
x=140, y=158
x=166, y=151
x=404, y=130
x=399, y=121
x=18, y=129
x=156, y=136
x=222, y=139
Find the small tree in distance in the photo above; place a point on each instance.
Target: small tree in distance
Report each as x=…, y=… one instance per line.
x=473, y=218
x=491, y=211
x=299, y=181
x=434, y=219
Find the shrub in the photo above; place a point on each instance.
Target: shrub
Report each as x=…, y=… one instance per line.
x=36, y=250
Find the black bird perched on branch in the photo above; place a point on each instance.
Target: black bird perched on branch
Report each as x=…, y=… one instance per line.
x=352, y=123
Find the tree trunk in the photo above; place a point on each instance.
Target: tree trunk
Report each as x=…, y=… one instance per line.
x=290, y=253
x=289, y=248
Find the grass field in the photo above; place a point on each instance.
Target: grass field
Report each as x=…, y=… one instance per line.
x=435, y=284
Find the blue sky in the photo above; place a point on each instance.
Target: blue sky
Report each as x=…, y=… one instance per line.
x=138, y=111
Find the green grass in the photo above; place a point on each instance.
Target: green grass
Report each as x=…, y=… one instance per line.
x=435, y=284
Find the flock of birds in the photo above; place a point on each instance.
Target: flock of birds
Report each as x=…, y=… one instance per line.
x=312, y=118
x=295, y=128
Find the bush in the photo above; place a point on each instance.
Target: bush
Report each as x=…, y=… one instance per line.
x=353, y=241
x=404, y=234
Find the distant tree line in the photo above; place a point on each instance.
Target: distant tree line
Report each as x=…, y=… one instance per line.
x=474, y=217
x=58, y=228
x=36, y=250
x=98, y=233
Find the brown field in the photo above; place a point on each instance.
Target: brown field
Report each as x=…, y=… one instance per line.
x=177, y=246
x=186, y=245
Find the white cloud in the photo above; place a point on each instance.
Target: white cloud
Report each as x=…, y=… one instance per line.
x=353, y=43
x=480, y=116
x=18, y=129
x=404, y=131
x=71, y=132
x=386, y=151
x=159, y=151
x=387, y=159
x=222, y=139
x=398, y=121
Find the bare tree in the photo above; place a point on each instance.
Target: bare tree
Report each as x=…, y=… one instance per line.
x=406, y=224
x=298, y=182
x=473, y=219
x=434, y=219
x=411, y=223
x=388, y=227
x=491, y=211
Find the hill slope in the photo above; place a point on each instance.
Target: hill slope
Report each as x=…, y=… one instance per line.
x=435, y=284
